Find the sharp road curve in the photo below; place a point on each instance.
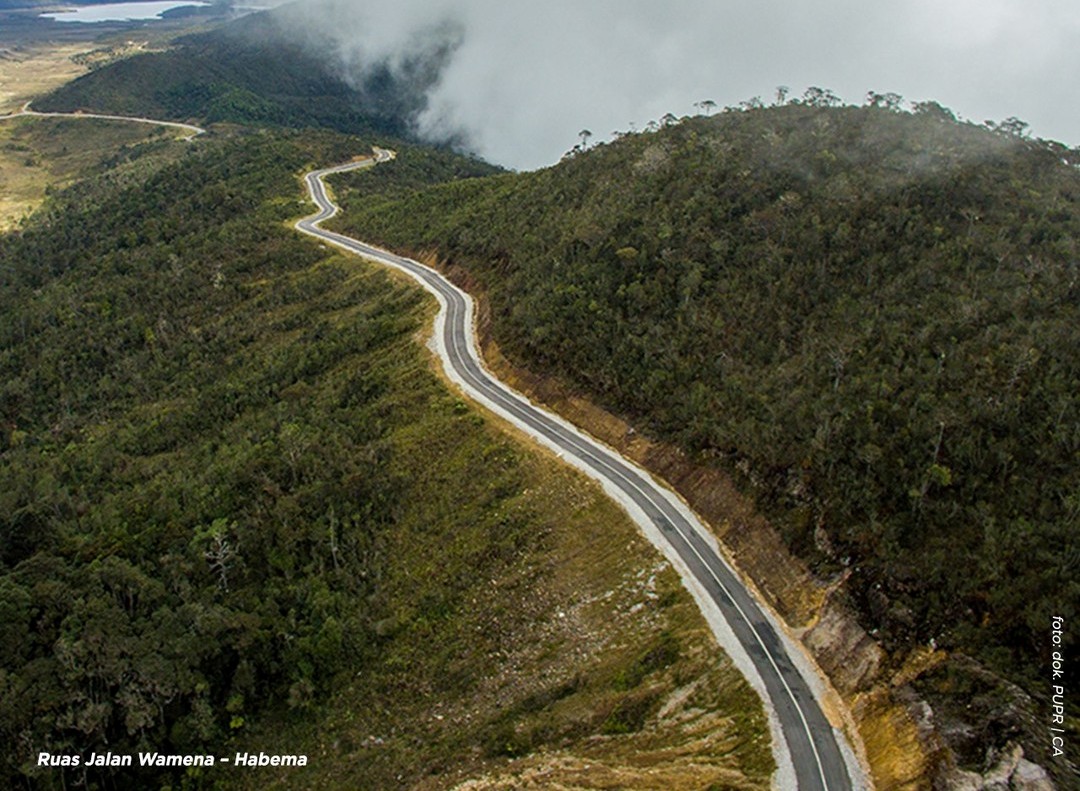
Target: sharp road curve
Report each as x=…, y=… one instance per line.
x=811, y=754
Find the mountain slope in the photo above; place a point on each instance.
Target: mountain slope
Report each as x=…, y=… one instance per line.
x=869, y=317
x=255, y=71
x=238, y=511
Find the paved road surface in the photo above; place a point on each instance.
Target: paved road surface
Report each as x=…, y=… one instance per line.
x=193, y=131
x=816, y=760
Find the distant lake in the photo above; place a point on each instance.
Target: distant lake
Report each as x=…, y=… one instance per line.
x=119, y=12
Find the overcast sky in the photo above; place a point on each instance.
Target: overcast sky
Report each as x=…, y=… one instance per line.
x=527, y=77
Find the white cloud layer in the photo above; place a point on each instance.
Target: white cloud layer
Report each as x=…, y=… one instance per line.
x=529, y=76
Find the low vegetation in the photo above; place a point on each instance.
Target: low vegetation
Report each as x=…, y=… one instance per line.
x=42, y=154
x=26, y=72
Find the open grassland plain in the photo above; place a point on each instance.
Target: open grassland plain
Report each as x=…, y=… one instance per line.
x=32, y=70
x=37, y=154
x=239, y=511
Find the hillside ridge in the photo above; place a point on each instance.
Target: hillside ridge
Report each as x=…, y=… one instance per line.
x=856, y=312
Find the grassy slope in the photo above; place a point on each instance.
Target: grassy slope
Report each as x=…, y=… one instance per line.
x=572, y=644
x=37, y=154
x=32, y=72
x=183, y=373
x=870, y=317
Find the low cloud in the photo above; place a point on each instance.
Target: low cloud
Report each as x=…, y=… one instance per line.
x=519, y=81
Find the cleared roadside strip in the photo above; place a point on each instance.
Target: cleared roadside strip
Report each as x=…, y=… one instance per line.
x=810, y=753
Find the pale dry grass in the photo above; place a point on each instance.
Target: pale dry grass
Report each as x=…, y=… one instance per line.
x=25, y=74
x=22, y=178
x=30, y=72
x=38, y=153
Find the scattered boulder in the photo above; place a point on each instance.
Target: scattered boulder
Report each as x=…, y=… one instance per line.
x=1009, y=771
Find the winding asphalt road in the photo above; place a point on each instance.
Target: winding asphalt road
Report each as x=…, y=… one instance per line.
x=810, y=757
x=813, y=756
x=193, y=131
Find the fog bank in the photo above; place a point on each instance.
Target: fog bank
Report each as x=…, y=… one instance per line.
x=519, y=81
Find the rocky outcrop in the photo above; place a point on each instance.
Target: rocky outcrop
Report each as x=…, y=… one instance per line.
x=843, y=649
x=1010, y=772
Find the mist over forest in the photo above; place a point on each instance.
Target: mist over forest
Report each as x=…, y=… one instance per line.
x=519, y=82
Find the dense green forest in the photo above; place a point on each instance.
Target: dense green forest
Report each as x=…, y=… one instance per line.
x=254, y=71
x=238, y=511
x=148, y=569
x=870, y=317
